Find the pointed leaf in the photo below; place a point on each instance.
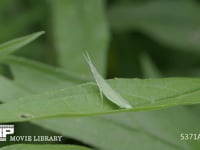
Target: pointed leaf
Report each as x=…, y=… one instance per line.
x=13, y=45
x=85, y=100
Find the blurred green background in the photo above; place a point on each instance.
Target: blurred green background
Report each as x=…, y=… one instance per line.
x=145, y=38
x=163, y=32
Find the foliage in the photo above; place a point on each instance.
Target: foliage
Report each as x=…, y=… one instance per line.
x=47, y=85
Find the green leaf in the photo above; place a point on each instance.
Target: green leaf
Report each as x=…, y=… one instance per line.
x=38, y=77
x=80, y=26
x=10, y=91
x=43, y=147
x=178, y=27
x=13, y=45
x=139, y=130
x=132, y=127
x=84, y=99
